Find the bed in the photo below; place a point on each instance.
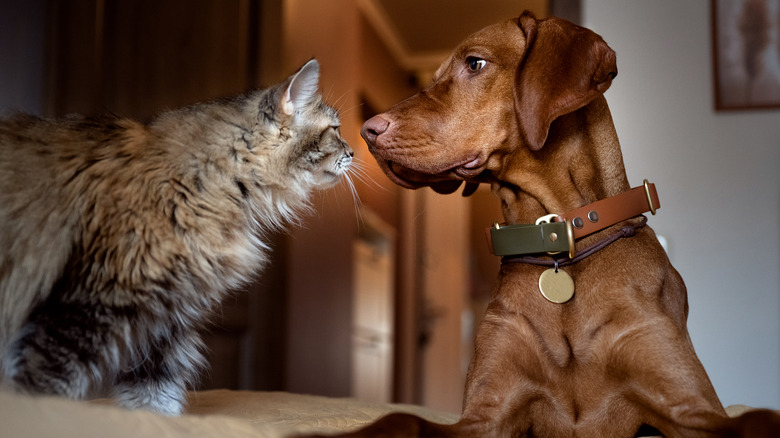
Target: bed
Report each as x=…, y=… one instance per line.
x=216, y=413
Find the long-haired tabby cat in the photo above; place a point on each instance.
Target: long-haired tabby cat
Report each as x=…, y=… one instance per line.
x=118, y=239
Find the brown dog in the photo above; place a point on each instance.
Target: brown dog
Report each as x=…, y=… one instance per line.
x=519, y=105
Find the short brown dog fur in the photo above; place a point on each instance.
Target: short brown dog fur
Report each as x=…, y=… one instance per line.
x=519, y=105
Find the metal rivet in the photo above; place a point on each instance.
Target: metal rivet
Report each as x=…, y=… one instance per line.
x=553, y=237
x=577, y=222
x=593, y=216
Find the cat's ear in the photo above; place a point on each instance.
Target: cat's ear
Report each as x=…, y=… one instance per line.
x=302, y=88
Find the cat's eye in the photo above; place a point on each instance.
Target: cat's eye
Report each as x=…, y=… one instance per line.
x=330, y=130
x=475, y=64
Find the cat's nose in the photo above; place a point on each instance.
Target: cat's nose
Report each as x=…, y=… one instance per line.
x=373, y=128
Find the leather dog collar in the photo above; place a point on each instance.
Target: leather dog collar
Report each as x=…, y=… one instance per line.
x=557, y=232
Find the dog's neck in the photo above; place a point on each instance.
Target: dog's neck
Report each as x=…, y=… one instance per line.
x=580, y=163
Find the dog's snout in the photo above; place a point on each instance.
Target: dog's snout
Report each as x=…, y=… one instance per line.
x=373, y=128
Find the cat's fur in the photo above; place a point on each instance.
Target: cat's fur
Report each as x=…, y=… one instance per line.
x=118, y=239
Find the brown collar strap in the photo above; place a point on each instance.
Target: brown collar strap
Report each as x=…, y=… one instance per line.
x=557, y=232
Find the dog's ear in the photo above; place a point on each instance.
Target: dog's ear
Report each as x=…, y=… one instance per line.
x=564, y=68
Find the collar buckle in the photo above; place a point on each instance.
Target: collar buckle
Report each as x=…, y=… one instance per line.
x=570, y=238
x=548, y=219
x=649, y=197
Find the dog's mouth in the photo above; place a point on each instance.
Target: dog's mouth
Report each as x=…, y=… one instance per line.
x=446, y=181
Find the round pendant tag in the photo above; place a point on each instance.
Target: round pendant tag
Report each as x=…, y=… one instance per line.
x=557, y=287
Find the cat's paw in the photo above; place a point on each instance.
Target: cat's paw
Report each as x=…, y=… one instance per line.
x=164, y=399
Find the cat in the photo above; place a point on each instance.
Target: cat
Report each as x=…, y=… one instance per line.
x=118, y=239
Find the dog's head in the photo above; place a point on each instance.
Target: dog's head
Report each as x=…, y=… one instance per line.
x=500, y=89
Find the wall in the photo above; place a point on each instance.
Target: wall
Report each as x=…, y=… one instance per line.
x=22, y=55
x=718, y=177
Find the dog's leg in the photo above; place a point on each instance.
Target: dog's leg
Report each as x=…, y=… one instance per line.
x=495, y=404
x=401, y=425
x=506, y=383
x=757, y=423
x=676, y=396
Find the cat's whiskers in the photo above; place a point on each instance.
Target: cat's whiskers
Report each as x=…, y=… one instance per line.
x=360, y=171
x=343, y=111
x=335, y=104
x=341, y=101
x=356, y=201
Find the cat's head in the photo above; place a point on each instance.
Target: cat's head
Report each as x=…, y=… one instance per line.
x=310, y=130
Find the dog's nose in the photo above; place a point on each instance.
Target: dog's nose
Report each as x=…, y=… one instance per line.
x=373, y=128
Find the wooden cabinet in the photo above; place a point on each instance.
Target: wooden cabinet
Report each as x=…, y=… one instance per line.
x=373, y=310
x=137, y=57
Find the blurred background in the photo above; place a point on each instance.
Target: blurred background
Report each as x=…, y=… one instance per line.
x=380, y=300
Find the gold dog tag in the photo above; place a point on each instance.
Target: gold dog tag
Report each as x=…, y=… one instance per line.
x=556, y=285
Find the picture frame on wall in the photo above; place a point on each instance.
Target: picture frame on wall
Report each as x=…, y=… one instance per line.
x=746, y=54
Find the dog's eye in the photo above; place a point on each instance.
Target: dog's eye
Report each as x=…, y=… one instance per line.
x=475, y=64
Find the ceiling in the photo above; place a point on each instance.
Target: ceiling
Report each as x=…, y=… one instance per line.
x=421, y=33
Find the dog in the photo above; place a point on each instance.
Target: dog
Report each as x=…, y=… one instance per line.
x=519, y=105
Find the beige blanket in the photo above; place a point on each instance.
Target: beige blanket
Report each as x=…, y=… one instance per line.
x=219, y=413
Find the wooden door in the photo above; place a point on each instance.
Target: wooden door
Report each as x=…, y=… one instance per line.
x=373, y=310
x=444, y=277
x=136, y=58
